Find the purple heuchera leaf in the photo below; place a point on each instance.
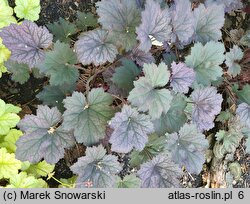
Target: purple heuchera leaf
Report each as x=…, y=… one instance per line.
x=182, y=21
x=94, y=47
x=229, y=5
x=160, y=172
x=182, y=77
x=188, y=148
x=207, y=104
x=42, y=137
x=97, y=168
x=155, y=23
x=26, y=42
x=141, y=57
x=131, y=130
x=243, y=111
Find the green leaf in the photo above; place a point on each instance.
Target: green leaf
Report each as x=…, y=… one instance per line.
x=205, y=61
x=147, y=96
x=9, y=166
x=40, y=169
x=22, y=180
x=62, y=30
x=88, y=116
x=155, y=146
x=232, y=59
x=174, y=119
x=20, y=72
x=6, y=15
x=59, y=65
x=8, y=117
x=9, y=141
x=68, y=183
x=224, y=116
x=244, y=94
x=125, y=75
x=129, y=181
x=54, y=95
x=28, y=9
x=85, y=20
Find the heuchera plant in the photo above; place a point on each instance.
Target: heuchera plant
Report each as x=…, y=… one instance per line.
x=154, y=105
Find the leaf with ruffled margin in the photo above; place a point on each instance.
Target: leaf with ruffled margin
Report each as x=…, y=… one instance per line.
x=208, y=23
x=155, y=23
x=62, y=30
x=40, y=169
x=9, y=141
x=129, y=181
x=207, y=104
x=27, y=9
x=6, y=15
x=95, y=47
x=243, y=111
x=9, y=165
x=26, y=42
x=121, y=18
x=125, y=75
x=188, y=148
x=8, y=117
x=141, y=57
x=160, y=172
x=182, y=77
x=88, y=116
x=54, y=95
x=131, y=130
x=182, y=21
x=147, y=96
x=229, y=5
x=20, y=72
x=42, y=137
x=154, y=147
x=174, y=119
x=232, y=59
x=22, y=180
x=205, y=61
x=59, y=65
x=96, y=168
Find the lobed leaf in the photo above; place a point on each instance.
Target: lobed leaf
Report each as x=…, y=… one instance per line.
x=182, y=77
x=95, y=47
x=96, y=168
x=42, y=137
x=146, y=96
x=120, y=17
x=243, y=111
x=155, y=24
x=160, y=172
x=59, y=65
x=208, y=22
x=131, y=130
x=62, y=30
x=188, y=148
x=88, y=117
x=207, y=104
x=205, y=60
x=129, y=181
x=26, y=42
x=232, y=59
x=27, y=9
